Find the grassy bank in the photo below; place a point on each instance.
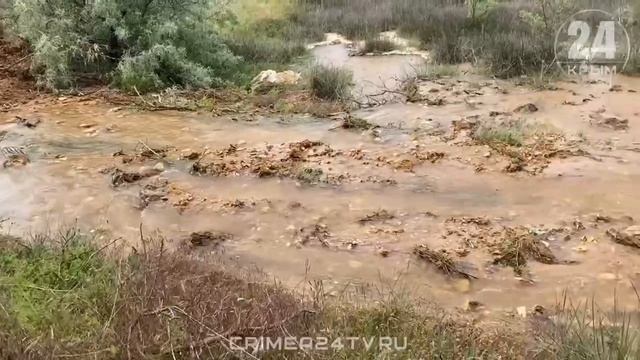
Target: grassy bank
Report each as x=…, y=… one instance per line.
x=68, y=297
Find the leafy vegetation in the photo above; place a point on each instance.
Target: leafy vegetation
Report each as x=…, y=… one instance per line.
x=147, y=45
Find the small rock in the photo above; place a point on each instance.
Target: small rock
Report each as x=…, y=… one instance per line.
x=86, y=126
x=188, y=154
x=159, y=167
x=609, y=121
x=269, y=79
x=539, y=310
x=473, y=305
x=521, y=311
x=615, y=88
x=526, y=108
x=29, y=123
x=383, y=252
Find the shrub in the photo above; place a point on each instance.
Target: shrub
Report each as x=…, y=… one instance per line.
x=330, y=83
x=378, y=45
x=169, y=42
x=450, y=22
x=516, y=54
x=160, y=67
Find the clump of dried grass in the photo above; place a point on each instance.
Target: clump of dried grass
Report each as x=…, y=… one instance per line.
x=442, y=260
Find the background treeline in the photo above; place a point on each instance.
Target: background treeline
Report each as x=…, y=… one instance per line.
x=147, y=45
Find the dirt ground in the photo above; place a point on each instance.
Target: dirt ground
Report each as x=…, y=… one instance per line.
x=17, y=86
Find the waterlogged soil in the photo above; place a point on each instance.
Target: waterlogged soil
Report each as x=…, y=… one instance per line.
x=413, y=201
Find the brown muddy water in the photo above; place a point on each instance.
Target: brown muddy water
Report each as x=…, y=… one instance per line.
x=328, y=229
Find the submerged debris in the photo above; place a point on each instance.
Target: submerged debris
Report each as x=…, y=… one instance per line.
x=465, y=220
x=628, y=237
x=442, y=261
x=517, y=245
x=142, y=154
x=430, y=156
x=120, y=177
x=381, y=215
x=313, y=233
x=13, y=156
x=209, y=238
x=152, y=192
x=609, y=121
x=310, y=176
x=28, y=123
x=356, y=123
x=298, y=150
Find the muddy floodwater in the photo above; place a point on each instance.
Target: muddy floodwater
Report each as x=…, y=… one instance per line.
x=303, y=198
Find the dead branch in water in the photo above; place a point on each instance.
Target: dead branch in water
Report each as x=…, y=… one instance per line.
x=154, y=107
x=442, y=261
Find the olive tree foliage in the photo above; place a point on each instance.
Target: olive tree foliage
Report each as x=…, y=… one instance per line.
x=141, y=45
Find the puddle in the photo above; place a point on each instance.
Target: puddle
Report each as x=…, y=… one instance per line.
x=371, y=74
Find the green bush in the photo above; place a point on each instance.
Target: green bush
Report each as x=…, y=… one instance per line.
x=330, y=83
x=167, y=42
x=159, y=67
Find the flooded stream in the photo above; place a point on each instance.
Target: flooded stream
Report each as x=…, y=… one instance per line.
x=72, y=158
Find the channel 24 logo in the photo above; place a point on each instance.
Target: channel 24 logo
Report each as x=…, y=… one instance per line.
x=592, y=42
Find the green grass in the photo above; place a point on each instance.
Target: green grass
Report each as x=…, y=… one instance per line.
x=63, y=289
x=511, y=133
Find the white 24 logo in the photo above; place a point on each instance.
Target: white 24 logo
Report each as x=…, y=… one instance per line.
x=604, y=42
